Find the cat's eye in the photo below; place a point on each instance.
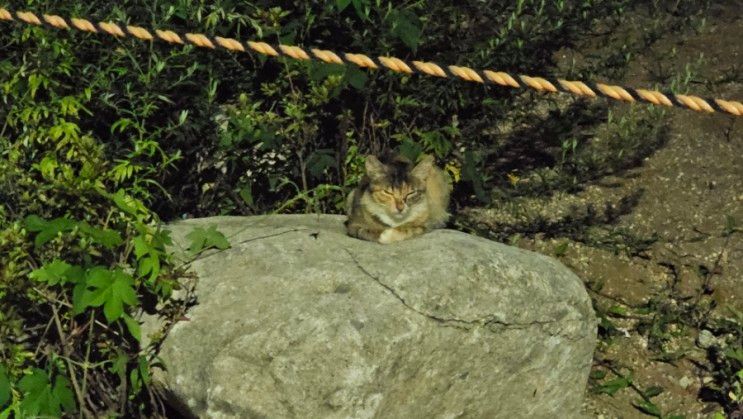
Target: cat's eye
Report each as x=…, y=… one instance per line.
x=386, y=192
x=411, y=195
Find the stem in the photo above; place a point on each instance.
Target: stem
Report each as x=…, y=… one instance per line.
x=66, y=351
x=68, y=305
x=303, y=171
x=239, y=202
x=87, y=351
x=41, y=338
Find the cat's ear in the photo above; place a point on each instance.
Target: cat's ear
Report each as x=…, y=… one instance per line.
x=423, y=168
x=374, y=167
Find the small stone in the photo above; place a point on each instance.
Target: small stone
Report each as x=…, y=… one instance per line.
x=706, y=339
x=685, y=382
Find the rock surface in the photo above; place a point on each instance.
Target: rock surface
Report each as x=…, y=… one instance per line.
x=299, y=320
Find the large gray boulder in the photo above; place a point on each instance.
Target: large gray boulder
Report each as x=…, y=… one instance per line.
x=299, y=320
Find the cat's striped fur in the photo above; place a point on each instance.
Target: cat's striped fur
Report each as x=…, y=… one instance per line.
x=396, y=200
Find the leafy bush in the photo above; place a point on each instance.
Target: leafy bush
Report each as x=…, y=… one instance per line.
x=101, y=138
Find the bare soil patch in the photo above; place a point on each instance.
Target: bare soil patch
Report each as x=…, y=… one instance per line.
x=666, y=271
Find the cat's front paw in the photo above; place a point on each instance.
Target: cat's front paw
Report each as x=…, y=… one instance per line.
x=390, y=235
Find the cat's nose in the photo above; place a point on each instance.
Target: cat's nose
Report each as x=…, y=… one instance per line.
x=400, y=206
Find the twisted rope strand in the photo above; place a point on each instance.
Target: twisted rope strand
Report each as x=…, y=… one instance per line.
x=574, y=87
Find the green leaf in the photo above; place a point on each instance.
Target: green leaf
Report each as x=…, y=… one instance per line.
x=617, y=310
x=5, y=393
x=612, y=386
x=122, y=292
x=58, y=272
x=47, y=166
x=202, y=239
x=141, y=375
x=124, y=288
x=733, y=353
x=75, y=274
x=52, y=273
x=356, y=77
x=561, y=249
x=113, y=309
x=162, y=238
x=361, y=7
x=34, y=82
x=148, y=256
x=216, y=239
x=125, y=202
x=112, y=289
x=133, y=327
x=33, y=382
x=435, y=141
x=144, y=370
x=321, y=71
x=118, y=366
x=182, y=117
x=648, y=407
x=63, y=394
x=121, y=125
x=407, y=26
x=652, y=391
x=342, y=4
x=598, y=374
x=78, y=303
x=471, y=172
x=36, y=393
x=644, y=310
x=47, y=229
x=141, y=246
x=410, y=149
x=134, y=380
x=246, y=193
x=40, y=398
x=60, y=224
x=319, y=161
x=99, y=278
x=153, y=266
x=105, y=237
x=34, y=223
x=148, y=265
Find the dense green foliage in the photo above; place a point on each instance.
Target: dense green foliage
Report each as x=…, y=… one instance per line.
x=102, y=138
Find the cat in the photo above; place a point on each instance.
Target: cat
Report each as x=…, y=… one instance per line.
x=396, y=200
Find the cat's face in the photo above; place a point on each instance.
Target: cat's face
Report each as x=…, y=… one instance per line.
x=396, y=200
x=397, y=190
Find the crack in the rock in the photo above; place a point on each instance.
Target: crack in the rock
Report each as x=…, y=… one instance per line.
x=452, y=322
x=460, y=324
x=268, y=236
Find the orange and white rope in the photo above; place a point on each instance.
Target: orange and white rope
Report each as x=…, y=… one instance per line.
x=578, y=88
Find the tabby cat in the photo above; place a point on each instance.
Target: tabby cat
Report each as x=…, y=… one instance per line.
x=396, y=200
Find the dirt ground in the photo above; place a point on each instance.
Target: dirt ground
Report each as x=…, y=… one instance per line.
x=690, y=188
x=690, y=202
